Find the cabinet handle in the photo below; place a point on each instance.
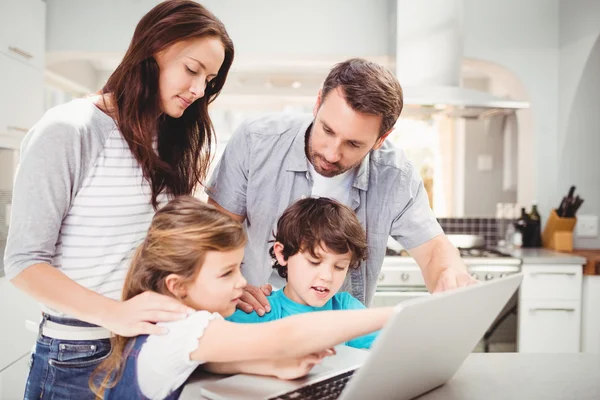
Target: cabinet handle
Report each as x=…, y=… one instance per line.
x=554, y=273
x=16, y=128
x=552, y=309
x=20, y=52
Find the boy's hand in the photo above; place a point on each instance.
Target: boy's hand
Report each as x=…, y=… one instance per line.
x=255, y=299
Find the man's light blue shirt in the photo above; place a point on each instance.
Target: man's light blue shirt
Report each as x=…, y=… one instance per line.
x=264, y=169
x=282, y=306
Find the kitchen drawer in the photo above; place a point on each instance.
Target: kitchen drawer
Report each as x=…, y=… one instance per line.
x=21, y=97
x=549, y=326
x=14, y=378
x=552, y=282
x=23, y=31
x=15, y=308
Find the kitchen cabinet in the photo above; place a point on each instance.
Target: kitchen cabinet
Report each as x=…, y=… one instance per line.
x=550, y=309
x=23, y=31
x=15, y=308
x=21, y=100
x=13, y=379
x=590, y=321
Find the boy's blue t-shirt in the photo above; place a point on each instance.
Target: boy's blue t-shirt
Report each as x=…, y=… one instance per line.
x=282, y=306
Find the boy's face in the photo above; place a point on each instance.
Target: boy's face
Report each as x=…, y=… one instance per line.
x=314, y=280
x=219, y=284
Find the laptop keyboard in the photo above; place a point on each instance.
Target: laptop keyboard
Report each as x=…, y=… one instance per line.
x=324, y=390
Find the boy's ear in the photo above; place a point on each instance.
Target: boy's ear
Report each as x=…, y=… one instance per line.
x=175, y=285
x=278, y=249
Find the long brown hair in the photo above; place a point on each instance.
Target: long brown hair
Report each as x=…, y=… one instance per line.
x=312, y=222
x=184, y=144
x=180, y=235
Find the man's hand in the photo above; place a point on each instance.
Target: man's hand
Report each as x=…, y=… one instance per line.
x=452, y=278
x=255, y=299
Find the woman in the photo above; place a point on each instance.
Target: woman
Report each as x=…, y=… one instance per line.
x=93, y=172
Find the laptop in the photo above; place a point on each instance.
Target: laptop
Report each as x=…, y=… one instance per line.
x=420, y=348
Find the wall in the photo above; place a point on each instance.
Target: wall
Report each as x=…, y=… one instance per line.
x=79, y=71
x=579, y=106
x=483, y=189
x=257, y=27
x=522, y=36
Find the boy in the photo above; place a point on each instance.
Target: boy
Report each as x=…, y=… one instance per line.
x=317, y=241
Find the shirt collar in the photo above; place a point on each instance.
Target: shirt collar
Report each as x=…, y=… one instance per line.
x=291, y=307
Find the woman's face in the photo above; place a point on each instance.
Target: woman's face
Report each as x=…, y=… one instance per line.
x=185, y=69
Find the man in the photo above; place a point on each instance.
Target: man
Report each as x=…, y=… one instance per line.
x=341, y=153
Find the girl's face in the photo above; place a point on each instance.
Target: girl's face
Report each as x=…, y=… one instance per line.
x=314, y=280
x=185, y=69
x=219, y=284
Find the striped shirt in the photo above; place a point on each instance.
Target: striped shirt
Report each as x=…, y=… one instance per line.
x=80, y=201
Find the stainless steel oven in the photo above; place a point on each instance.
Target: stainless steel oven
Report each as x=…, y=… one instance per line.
x=401, y=279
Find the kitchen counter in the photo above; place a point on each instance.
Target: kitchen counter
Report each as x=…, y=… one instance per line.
x=500, y=376
x=544, y=256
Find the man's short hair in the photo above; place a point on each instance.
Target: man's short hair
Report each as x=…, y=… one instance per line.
x=368, y=88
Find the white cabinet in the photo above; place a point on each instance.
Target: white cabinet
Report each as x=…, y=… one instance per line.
x=13, y=379
x=23, y=31
x=21, y=100
x=590, y=320
x=550, y=309
x=15, y=308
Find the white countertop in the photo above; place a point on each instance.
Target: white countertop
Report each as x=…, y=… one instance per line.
x=544, y=256
x=498, y=376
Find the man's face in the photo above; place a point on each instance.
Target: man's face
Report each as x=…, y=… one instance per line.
x=340, y=137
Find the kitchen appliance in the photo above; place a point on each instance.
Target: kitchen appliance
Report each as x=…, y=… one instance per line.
x=401, y=279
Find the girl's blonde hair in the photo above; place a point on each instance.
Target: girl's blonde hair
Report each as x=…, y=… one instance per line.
x=180, y=235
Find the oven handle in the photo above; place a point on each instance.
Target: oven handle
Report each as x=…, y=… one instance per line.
x=551, y=309
x=553, y=273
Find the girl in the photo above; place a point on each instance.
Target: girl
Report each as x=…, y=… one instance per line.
x=92, y=174
x=193, y=253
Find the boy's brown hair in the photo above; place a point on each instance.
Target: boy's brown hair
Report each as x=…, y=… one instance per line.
x=319, y=222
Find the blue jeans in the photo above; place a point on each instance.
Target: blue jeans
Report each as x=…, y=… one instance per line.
x=61, y=369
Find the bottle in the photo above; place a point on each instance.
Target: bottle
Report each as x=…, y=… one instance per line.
x=521, y=223
x=510, y=227
x=500, y=224
x=535, y=227
x=534, y=215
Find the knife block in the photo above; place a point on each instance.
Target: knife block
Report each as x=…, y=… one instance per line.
x=558, y=232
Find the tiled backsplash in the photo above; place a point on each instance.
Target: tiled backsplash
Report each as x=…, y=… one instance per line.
x=486, y=227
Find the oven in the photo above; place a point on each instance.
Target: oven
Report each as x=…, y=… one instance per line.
x=400, y=279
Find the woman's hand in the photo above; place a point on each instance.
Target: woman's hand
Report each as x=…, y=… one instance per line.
x=137, y=315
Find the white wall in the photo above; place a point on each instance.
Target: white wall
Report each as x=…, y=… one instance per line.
x=257, y=27
x=522, y=36
x=578, y=141
x=484, y=189
x=78, y=71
